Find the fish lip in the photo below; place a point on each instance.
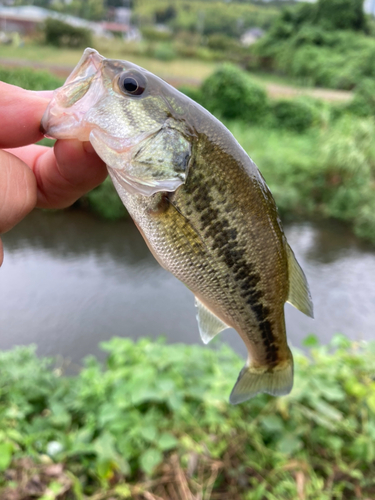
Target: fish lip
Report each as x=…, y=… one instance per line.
x=91, y=59
x=67, y=101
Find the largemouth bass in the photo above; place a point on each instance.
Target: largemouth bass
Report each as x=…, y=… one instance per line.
x=200, y=203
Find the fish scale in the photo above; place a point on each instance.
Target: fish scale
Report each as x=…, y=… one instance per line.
x=200, y=203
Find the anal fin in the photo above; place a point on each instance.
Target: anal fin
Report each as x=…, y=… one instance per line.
x=209, y=325
x=299, y=293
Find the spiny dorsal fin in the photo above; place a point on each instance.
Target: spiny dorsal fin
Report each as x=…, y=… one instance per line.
x=209, y=324
x=299, y=293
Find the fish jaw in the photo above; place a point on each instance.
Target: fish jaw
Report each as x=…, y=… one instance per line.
x=140, y=149
x=64, y=117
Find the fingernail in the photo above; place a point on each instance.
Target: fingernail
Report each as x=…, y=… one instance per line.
x=87, y=146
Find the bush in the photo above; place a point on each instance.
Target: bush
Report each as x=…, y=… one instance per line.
x=319, y=43
x=156, y=35
x=164, y=52
x=230, y=93
x=363, y=103
x=62, y=34
x=341, y=15
x=348, y=156
x=222, y=42
x=168, y=417
x=297, y=115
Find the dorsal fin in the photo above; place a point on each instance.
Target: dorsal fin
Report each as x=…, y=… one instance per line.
x=299, y=293
x=209, y=324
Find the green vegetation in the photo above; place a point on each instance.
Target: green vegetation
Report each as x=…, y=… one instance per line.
x=205, y=17
x=61, y=34
x=140, y=54
x=231, y=94
x=161, y=411
x=297, y=115
x=104, y=201
x=327, y=43
x=30, y=79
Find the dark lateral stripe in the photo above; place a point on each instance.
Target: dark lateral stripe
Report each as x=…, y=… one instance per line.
x=225, y=242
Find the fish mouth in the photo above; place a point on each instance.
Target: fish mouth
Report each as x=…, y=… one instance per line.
x=64, y=116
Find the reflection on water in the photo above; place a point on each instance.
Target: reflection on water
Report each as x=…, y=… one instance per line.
x=70, y=280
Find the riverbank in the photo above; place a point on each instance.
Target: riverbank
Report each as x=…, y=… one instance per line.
x=154, y=423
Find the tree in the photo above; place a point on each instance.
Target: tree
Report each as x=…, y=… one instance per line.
x=341, y=14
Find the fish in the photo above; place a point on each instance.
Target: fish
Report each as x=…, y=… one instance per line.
x=199, y=201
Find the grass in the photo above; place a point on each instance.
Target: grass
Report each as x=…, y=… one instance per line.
x=48, y=55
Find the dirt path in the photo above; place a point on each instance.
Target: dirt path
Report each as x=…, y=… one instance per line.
x=274, y=90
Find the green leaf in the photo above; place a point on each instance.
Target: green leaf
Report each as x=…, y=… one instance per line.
x=289, y=444
x=166, y=441
x=104, y=446
x=273, y=423
x=310, y=341
x=53, y=491
x=149, y=433
x=150, y=459
x=328, y=411
x=123, y=490
x=6, y=452
x=341, y=341
x=105, y=469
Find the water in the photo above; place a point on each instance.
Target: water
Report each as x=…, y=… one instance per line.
x=70, y=281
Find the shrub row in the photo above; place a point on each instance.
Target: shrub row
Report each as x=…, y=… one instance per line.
x=61, y=34
x=231, y=94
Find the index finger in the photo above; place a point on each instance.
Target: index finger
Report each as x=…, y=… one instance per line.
x=21, y=114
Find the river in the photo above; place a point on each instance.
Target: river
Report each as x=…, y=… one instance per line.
x=70, y=280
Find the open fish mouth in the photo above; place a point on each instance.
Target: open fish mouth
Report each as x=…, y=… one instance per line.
x=91, y=107
x=65, y=114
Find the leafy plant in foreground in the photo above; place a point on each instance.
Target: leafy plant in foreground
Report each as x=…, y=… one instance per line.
x=157, y=407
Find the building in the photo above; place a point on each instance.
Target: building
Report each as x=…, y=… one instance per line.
x=27, y=18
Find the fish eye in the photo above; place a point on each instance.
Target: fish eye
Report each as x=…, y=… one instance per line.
x=132, y=83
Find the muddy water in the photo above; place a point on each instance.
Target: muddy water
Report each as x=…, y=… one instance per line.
x=70, y=281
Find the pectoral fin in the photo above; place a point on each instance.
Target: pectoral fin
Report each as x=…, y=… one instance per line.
x=209, y=324
x=299, y=293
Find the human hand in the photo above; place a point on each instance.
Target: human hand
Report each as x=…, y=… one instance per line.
x=37, y=176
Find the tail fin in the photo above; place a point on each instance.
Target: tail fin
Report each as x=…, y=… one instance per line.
x=277, y=381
